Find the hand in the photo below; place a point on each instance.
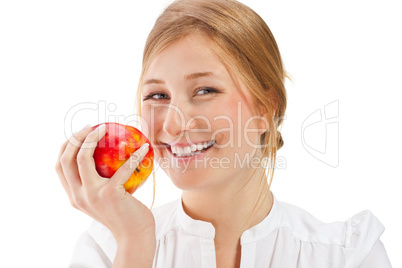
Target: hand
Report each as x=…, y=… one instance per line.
x=103, y=199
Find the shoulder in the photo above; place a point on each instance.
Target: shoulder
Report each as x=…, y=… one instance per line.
x=357, y=236
x=89, y=253
x=97, y=239
x=99, y=235
x=308, y=228
x=362, y=232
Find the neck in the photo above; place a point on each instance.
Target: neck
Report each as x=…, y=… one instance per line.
x=229, y=207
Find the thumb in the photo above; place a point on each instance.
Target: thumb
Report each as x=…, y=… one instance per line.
x=124, y=172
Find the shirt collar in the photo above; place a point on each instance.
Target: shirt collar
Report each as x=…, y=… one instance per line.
x=195, y=227
x=265, y=227
x=207, y=230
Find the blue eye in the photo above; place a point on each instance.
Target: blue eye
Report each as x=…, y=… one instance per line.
x=207, y=90
x=155, y=96
x=159, y=96
x=162, y=96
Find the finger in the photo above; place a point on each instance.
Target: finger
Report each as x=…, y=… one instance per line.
x=124, y=172
x=85, y=160
x=69, y=158
x=60, y=172
x=62, y=149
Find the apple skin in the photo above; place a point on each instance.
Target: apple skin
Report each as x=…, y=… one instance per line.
x=119, y=142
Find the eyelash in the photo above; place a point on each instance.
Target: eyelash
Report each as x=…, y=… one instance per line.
x=210, y=89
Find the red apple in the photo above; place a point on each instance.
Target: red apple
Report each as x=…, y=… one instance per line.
x=119, y=142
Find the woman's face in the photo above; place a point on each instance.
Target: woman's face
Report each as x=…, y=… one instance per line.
x=190, y=102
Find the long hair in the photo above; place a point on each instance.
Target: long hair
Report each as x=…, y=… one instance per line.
x=245, y=44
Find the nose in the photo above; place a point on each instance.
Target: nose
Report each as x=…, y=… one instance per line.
x=175, y=121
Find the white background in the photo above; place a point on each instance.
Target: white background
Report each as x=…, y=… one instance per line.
x=55, y=55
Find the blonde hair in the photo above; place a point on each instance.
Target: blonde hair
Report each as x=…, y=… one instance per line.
x=245, y=45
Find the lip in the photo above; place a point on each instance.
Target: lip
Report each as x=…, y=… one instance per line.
x=184, y=144
x=188, y=158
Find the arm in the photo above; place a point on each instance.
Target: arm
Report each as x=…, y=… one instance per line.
x=139, y=254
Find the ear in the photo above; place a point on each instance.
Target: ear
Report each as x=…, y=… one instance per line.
x=263, y=124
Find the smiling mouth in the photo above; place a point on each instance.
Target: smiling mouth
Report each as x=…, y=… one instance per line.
x=196, y=151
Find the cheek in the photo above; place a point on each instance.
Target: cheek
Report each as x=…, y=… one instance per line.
x=151, y=123
x=251, y=130
x=245, y=125
x=148, y=123
x=227, y=123
x=145, y=127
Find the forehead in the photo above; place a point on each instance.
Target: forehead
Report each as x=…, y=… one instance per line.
x=191, y=54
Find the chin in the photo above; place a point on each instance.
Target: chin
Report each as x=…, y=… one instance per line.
x=190, y=182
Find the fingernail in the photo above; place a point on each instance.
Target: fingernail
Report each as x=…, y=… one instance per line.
x=86, y=126
x=102, y=128
x=143, y=148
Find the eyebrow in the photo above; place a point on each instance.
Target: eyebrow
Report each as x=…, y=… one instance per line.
x=197, y=75
x=153, y=81
x=187, y=77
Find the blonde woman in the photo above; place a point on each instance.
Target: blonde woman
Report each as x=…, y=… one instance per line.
x=212, y=95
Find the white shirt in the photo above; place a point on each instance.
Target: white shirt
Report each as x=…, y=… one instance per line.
x=288, y=237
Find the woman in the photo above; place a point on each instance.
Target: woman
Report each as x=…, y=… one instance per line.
x=212, y=95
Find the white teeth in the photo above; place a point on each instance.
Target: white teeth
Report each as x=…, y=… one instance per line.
x=180, y=150
x=193, y=149
x=187, y=150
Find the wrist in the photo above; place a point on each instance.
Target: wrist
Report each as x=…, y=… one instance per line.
x=138, y=250
x=125, y=238
x=129, y=240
